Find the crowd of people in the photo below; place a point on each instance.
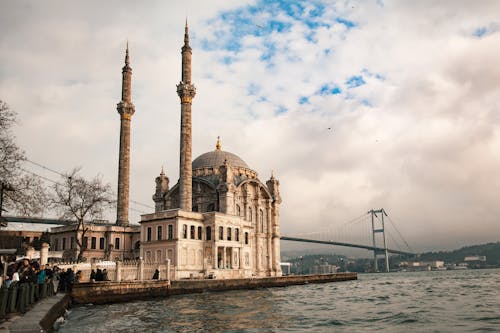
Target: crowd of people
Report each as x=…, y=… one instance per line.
x=99, y=275
x=26, y=271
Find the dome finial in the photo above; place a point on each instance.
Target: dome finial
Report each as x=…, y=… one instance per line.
x=272, y=174
x=218, y=145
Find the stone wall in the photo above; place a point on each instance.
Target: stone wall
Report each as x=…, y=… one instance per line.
x=111, y=292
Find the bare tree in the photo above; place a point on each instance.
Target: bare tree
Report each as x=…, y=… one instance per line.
x=20, y=192
x=80, y=199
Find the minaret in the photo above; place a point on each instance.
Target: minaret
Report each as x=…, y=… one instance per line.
x=126, y=109
x=186, y=92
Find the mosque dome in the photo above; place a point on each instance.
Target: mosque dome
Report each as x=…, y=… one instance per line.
x=217, y=157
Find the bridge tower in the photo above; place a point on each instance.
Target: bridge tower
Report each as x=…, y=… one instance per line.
x=380, y=229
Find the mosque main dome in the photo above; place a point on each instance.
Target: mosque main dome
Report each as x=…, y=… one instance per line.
x=217, y=157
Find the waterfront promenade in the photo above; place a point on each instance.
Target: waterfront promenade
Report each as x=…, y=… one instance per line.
x=39, y=318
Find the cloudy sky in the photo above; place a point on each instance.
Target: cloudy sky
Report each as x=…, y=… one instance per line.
x=354, y=104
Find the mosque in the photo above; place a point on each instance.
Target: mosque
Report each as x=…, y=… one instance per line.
x=220, y=220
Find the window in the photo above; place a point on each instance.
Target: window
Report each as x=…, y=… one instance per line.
x=237, y=234
x=195, y=208
x=221, y=233
x=85, y=242
x=72, y=243
x=101, y=243
x=209, y=233
x=117, y=243
x=159, y=232
x=228, y=234
x=211, y=207
x=192, y=232
x=93, y=243
x=64, y=243
x=250, y=214
x=246, y=238
x=56, y=244
x=184, y=231
x=158, y=255
x=200, y=233
x=238, y=210
x=170, y=231
x=261, y=215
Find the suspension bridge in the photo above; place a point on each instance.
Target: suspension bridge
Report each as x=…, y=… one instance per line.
x=375, y=242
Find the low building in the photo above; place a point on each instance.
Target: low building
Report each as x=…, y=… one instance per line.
x=102, y=240
x=22, y=232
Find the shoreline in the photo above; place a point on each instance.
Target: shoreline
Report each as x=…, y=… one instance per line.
x=114, y=292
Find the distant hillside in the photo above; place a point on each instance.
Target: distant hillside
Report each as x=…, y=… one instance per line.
x=490, y=250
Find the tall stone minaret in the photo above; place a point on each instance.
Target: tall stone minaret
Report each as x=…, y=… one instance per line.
x=186, y=92
x=126, y=109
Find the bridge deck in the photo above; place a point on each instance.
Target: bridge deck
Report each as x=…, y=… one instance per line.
x=359, y=246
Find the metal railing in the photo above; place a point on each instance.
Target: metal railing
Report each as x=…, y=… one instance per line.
x=19, y=297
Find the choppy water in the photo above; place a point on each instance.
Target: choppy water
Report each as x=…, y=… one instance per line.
x=446, y=301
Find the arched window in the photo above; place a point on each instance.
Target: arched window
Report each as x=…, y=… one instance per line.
x=229, y=234
x=158, y=255
x=238, y=210
x=184, y=231
x=200, y=233
x=192, y=232
x=237, y=234
x=170, y=231
x=221, y=233
x=148, y=235
x=250, y=214
x=246, y=238
x=159, y=232
x=209, y=233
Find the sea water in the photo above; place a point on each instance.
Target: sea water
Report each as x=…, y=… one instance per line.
x=441, y=301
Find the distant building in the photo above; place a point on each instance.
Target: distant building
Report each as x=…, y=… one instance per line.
x=323, y=269
x=475, y=258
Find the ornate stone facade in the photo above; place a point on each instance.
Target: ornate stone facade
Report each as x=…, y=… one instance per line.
x=220, y=220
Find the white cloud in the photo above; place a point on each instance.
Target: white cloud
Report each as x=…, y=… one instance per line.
x=418, y=138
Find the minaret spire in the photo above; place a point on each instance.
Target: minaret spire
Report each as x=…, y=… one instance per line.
x=126, y=109
x=127, y=58
x=186, y=91
x=186, y=34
